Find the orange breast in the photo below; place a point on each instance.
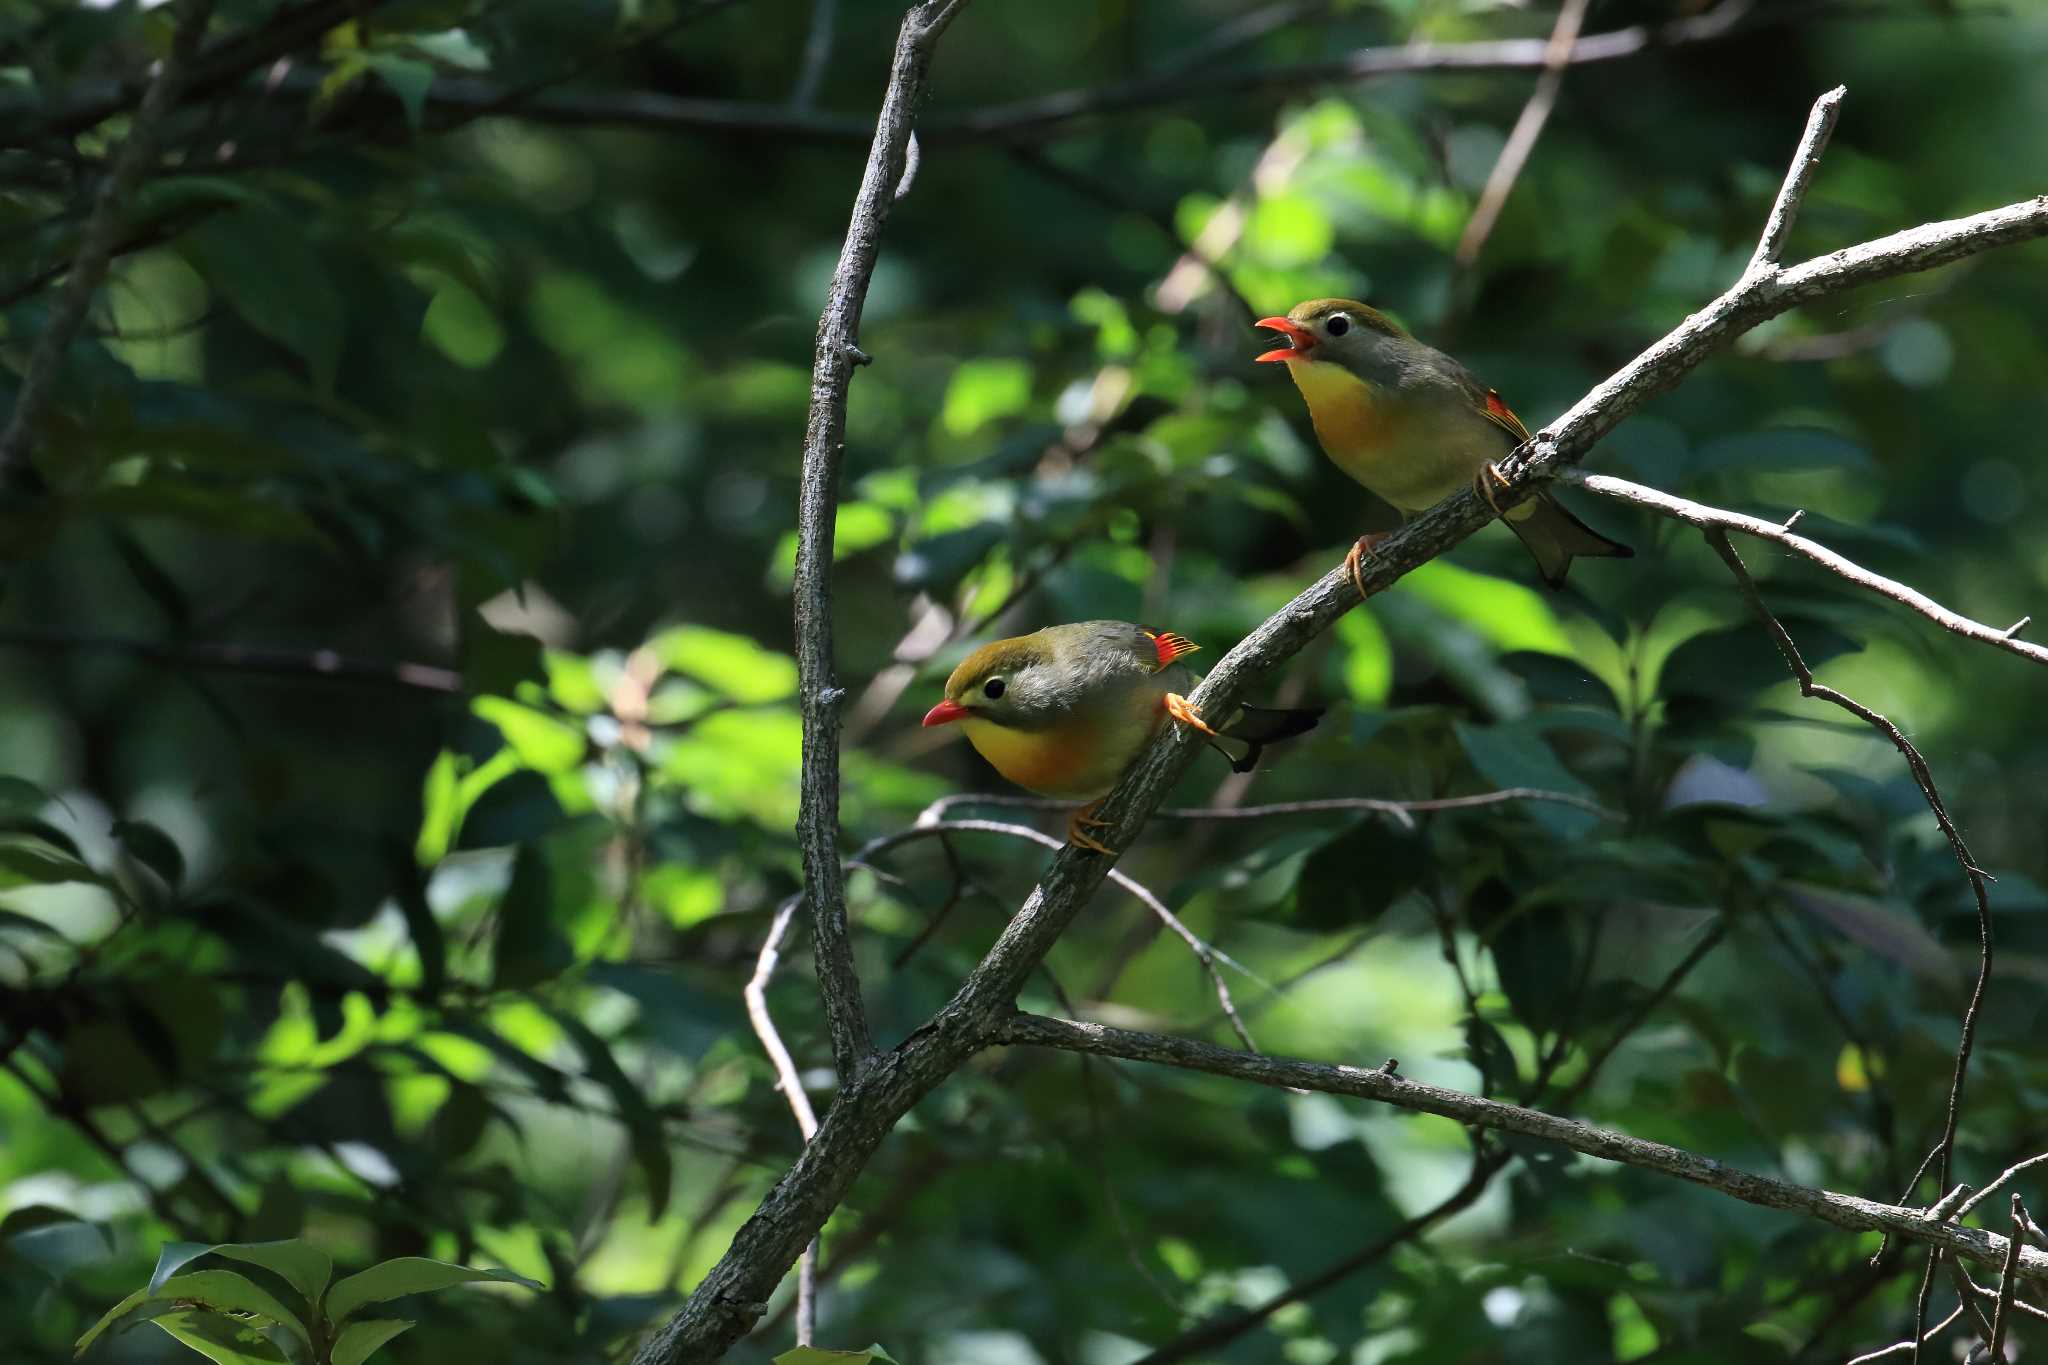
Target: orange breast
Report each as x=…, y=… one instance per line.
x=1078, y=760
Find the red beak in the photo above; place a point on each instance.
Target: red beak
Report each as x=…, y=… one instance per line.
x=1300, y=340
x=944, y=713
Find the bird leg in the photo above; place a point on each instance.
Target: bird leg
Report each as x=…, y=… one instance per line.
x=1081, y=822
x=1365, y=546
x=1485, y=481
x=1182, y=710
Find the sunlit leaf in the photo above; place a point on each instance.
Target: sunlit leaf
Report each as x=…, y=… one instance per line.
x=733, y=664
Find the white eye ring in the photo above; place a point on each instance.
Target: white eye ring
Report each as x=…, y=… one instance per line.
x=1338, y=325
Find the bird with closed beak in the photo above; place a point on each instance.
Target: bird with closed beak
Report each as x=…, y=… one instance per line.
x=1063, y=711
x=1414, y=426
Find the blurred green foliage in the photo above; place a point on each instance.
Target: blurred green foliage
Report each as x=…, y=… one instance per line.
x=308, y=945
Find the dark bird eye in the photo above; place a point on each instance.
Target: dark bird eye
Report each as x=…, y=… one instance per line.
x=1338, y=325
x=992, y=689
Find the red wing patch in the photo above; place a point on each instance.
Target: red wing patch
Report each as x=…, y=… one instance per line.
x=1171, y=646
x=1503, y=416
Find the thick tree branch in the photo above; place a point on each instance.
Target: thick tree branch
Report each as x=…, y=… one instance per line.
x=102, y=232
x=837, y=355
x=1839, y=1210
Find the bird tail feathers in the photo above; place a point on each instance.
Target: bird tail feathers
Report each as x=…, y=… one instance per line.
x=1258, y=726
x=1553, y=536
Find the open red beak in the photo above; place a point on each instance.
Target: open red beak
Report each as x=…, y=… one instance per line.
x=944, y=713
x=1300, y=340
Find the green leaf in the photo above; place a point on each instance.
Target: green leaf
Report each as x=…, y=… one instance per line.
x=1512, y=615
x=28, y=861
x=650, y=1143
x=269, y=270
x=409, y=1275
x=18, y=796
x=359, y=1339
x=731, y=663
x=300, y=1264
x=153, y=848
x=1512, y=757
x=1886, y=930
x=1352, y=879
x=222, y=1340
x=530, y=947
x=542, y=742
x=817, y=1355
x=409, y=79
x=983, y=391
x=221, y=1290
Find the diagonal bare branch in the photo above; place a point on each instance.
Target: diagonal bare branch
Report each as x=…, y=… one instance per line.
x=1521, y=142
x=1714, y=518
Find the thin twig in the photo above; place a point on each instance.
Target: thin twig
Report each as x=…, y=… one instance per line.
x=102, y=231
x=1401, y=811
x=1709, y=518
x=1902, y=1347
x=214, y=654
x=1515, y=152
x=1204, y=953
x=790, y=1082
x=1378, y=1084
x=1717, y=537
x=1924, y=779
x=817, y=54
x=1053, y=114
x=2007, y=1174
x=1240, y=32
x=1644, y=1009
x=1960, y=1278
x=836, y=357
x=1820, y=125
x=2008, y=1283
x=1207, y=1338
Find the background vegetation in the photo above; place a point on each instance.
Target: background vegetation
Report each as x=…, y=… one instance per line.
x=397, y=724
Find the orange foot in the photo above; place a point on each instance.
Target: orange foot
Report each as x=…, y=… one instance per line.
x=1182, y=710
x=1485, y=481
x=1081, y=822
x=1364, y=547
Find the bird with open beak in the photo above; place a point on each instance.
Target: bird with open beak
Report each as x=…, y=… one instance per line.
x=1063, y=711
x=1414, y=426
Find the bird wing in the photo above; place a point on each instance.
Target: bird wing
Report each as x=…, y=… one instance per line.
x=1502, y=416
x=1487, y=402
